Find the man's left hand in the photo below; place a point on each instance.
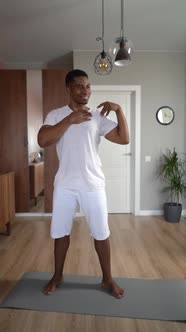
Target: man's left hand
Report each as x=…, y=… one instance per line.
x=108, y=107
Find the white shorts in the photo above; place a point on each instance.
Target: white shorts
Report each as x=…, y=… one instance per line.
x=93, y=204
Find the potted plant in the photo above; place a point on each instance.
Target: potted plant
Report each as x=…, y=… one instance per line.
x=173, y=174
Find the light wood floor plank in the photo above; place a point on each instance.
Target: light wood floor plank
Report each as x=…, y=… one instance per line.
x=142, y=247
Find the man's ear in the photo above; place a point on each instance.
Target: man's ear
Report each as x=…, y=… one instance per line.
x=69, y=90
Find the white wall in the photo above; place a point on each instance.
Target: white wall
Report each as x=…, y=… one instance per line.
x=162, y=79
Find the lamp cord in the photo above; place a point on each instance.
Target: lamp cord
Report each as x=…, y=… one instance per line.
x=102, y=38
x=122, y=18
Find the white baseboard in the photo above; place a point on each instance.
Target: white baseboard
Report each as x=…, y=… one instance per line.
x=33, y=214
x=183, y=212
x=151, y=212
x=156, y=213
x=40, y=214
x=80, y=214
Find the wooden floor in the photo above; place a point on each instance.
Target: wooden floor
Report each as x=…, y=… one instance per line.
x=142, y=247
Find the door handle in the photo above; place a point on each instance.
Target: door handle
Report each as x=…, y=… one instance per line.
x=127, y=154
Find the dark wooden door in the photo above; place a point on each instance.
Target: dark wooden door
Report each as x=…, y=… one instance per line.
x=54, y=96
x=13, y=133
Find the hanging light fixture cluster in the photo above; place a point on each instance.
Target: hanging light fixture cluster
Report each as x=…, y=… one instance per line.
x=120, y=52
x=103, y=61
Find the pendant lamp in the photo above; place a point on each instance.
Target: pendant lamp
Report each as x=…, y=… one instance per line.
x=103, y=61
x=122, y=48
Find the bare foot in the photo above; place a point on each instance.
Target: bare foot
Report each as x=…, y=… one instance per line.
x=51, y=286
x=114, y=288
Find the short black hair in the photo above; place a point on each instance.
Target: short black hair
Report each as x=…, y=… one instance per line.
x=74, y=73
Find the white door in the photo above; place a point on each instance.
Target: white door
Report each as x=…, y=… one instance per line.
x=115, y=157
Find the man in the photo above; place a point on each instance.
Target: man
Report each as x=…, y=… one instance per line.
x=76, y=130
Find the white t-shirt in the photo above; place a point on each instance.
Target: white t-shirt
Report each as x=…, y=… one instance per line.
x=77, y=150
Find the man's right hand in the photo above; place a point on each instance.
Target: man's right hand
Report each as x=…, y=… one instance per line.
x=79, y=116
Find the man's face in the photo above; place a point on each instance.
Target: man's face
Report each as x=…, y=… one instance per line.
x=79, y=90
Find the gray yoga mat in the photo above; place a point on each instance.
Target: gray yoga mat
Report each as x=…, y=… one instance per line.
x=161, y=299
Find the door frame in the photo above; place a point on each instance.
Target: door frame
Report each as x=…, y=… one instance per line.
x=135, y=135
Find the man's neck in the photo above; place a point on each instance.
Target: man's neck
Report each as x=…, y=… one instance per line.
x=78, y=107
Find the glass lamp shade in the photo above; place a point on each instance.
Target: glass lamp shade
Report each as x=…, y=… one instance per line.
x=103, y=63
x=121, y=51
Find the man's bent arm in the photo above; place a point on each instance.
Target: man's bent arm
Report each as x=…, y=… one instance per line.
x=51, y=134
x=120, y=134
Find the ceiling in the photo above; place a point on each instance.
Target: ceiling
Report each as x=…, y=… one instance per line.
x=45, y=32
